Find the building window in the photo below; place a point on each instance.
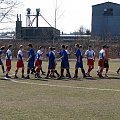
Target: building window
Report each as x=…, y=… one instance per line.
x=108, y=12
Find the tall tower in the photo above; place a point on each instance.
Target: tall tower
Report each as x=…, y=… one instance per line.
x=18, y=27
x=29, y=20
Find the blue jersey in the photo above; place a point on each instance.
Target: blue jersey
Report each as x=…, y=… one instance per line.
x=51, y=57
x=32, y=54
x=79, y=62
x=78, y=55
x=64, y=62
x=64, y=55
x=32, y=58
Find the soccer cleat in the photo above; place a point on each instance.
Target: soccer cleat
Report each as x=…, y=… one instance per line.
x=88, y=75
x=106, y=75
x=69, y=77
x=117, y=71
x=75, y=77
x=59, y=78
x=15, y=76
x=7, y=77
x=43, y=73
x=46, y=77
x=23, y=76
x=52, y=76
x=39, y=76
x=27, y=77
x=84, y=76
x=100, y=76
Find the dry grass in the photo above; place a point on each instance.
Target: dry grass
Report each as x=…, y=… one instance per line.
x=20, y=101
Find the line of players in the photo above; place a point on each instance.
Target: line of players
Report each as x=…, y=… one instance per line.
x=35, y=61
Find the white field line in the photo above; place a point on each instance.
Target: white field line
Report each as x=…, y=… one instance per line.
x=63, y=86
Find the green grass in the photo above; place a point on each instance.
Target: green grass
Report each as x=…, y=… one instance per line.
x=20, y=101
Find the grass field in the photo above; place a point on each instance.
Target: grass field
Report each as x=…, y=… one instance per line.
x=81, y=99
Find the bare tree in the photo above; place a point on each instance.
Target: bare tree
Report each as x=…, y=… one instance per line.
x=7, y=10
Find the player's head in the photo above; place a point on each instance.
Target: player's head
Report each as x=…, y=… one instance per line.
x=63, y=46
x=53, y=48
x=80, y=46
x=104, y=46
x=66, y=47
x=50, y=48
x=30, y=45
x=77, y=45
x=107, y=47
x=40, y=47
x=2, y=47
x=90, y=47
x=21, y=46
x=9, y=46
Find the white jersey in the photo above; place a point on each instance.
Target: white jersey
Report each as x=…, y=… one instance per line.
x=20, y=55
x=102, y=54
x=90, y=54
x=9, y=54
x=39, y=55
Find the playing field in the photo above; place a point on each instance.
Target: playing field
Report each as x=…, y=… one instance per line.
x=81, y=99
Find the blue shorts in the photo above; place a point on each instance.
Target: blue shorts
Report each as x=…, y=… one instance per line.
x=65, y=64
x=51, y=66
x=79, y=65
x=1, y=63
x=31, y=64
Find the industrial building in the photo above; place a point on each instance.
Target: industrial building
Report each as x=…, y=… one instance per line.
x=106, y=20
x=37, y=33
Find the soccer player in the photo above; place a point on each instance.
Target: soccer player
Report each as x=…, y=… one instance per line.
x=106, y=62
x=51, y=62
x=64, y=62
x=101, y=61
x=20, y=63
x=66, y=49
x=30, y=60
x=40, y=55
x=38, y=62
x=118, y=70
x=79, y=62
x=1, y=63
x=54, y=71
x=90, y=55
x=8, y=60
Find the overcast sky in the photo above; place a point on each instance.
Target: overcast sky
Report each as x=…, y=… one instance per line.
x=71, y=14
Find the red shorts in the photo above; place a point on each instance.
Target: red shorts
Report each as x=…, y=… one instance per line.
x=90, y=62
x=101, y=62
x=38, y=63
x=8, y=64
x=20, y=64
